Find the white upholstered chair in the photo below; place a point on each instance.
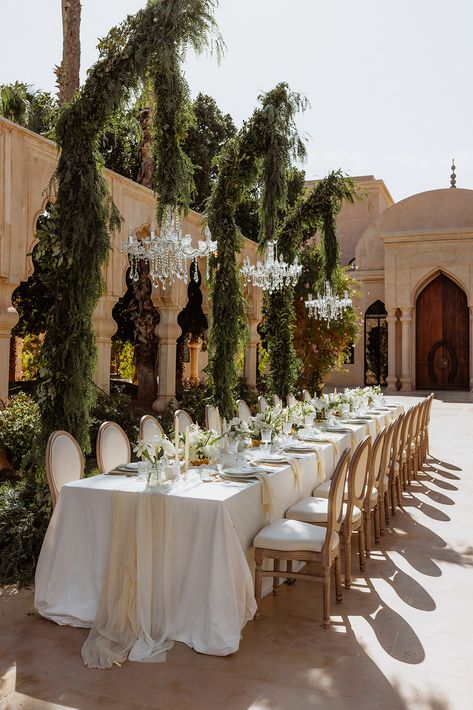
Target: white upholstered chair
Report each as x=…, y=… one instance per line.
x=212, y=418
x=262, y=404
x=306, y=396
x=149, y=427
x=291, y=400
x=64, y=462
x=244, y=411
x=294, y=540
x=277, y=401
x=113, y=447
x=185, y=419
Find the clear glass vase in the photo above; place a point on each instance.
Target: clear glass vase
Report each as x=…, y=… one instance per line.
x=156, y=475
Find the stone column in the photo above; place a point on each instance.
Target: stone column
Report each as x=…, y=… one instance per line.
x=168, y=331
x=251, y=353
x=406, y=326
x=8, y=320
x=104, y=327
x=391, y=379
x=194, y=349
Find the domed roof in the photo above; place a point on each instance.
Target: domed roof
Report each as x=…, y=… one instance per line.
x=432, y=211
x=450, y=208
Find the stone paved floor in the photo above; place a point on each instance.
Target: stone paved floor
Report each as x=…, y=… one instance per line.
x=402, y=638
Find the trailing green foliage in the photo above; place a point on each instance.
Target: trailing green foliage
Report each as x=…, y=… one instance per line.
x=263, y=148
x=313, y=213
x=154, y=37
x=322, y=346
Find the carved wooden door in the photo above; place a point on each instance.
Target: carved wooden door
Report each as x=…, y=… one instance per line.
x=442, y=336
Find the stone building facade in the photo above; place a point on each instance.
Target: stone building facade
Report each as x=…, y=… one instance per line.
x=413, y=261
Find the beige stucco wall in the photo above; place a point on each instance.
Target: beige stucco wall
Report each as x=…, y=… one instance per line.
x=400, y=252
x=27, y=162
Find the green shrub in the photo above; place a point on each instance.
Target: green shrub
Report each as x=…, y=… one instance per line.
x=24, y=516
x=19, y=426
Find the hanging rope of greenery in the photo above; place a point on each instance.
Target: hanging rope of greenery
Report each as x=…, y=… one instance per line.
x=150, y=41
x=262, y=149
x=314, y=213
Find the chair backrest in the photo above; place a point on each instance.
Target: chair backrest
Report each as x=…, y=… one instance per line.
x=185, y=419
x=113, y=447
x=386, y=456
x=244, y=412
x=358, y=472
x=64, y=462
x=291, y=400
x=149, y=427
x=306, y=396
x=212, y=418
x=335, y=499
x=404, y=432
x=277, y=401
x=397, y=447
x=375, y=464
x=413, y=423
x=262, y=404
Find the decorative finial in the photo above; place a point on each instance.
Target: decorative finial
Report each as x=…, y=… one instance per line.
x=453, y=177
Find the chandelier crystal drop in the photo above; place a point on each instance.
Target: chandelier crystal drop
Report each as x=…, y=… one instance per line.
x=168, y=253
x=273, y=273
x=327, y=305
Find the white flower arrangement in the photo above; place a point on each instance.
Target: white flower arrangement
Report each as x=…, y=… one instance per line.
x=271, y=418
x=237, y=428
x=203, y=443
x=154, y=449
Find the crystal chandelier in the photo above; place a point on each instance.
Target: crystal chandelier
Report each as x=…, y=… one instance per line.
x=327, y=305
x=168, y=254
x=273, y=273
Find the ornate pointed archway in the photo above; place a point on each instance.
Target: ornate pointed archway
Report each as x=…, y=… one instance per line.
x=442, y=336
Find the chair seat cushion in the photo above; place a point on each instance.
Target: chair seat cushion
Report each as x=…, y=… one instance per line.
x=323, y=490
x=293, y=535
x=314, y=510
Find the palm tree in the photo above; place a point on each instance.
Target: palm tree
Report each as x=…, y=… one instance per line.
x=68, y=72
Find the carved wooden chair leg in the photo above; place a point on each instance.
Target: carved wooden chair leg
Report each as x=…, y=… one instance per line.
x=347, y=556
x=377, y=520
x=326, y=622
x=276, y=579
x=361, y=548
x=393, y=496
x=387, y=517
x=367, y=527
x=399, y=494
x=289, y=580
x=258, y=581
x=338, y=579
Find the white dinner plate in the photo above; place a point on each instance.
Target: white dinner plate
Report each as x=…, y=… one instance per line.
x=240, y=471
x=133, y=466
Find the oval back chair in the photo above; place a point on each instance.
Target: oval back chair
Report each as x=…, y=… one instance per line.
x=184, y=418
x=244, y=412
x=358, y=471
x=306, y=396
x=277, y=401
x=262, y=404
x=149, y=427
x=372, y=492
x=64, y=462
x=291, y=400
x=113, y=447
x=212, y=419
x=383, y=483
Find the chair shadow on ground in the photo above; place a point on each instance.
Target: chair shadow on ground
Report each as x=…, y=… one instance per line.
x=286, y=659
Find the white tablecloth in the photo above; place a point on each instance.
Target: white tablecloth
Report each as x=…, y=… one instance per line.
x=200, y=550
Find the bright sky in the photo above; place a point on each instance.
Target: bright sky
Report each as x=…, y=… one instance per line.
x=390, y=83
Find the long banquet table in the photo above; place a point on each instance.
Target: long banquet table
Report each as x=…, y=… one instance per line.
x=187, y=556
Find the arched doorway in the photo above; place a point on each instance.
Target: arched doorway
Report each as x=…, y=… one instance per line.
x=442, y=336
x=376, y=345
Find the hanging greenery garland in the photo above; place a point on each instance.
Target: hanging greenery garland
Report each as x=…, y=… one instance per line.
x=262, y=149
x=315, y=212
x=150, y=41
